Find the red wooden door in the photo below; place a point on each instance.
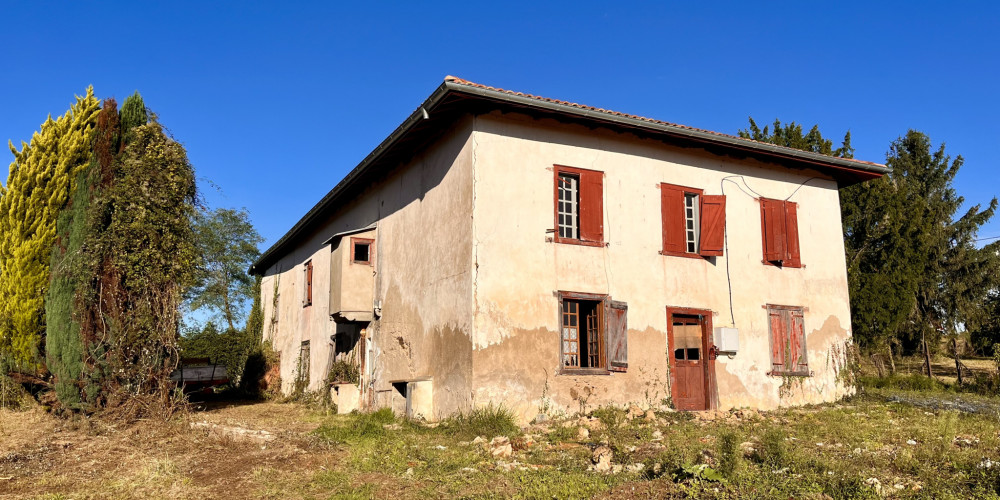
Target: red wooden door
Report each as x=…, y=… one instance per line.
x=687, y=351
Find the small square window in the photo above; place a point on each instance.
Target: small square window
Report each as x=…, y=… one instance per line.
x=361, y=251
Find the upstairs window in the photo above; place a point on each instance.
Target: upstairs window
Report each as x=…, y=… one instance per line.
x=307, y=292
x=594, y=333
x=788, y=340
x=779, y=226
x=361, y=251
x=694, y=223
x=579, y=206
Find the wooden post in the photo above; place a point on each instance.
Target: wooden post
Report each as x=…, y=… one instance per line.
x=927, y=356
x=958, y=363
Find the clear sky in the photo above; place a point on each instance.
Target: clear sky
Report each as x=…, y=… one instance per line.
x=276, y=101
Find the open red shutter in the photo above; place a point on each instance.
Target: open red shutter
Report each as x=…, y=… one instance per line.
x=791, y=235
x=713, y=224
x=616, y=336
x=797, y=339
x=672, y=214
x=772, y=213
x=592, y=206
x=777, y=325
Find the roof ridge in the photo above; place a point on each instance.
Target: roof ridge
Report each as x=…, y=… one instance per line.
x=462, y=81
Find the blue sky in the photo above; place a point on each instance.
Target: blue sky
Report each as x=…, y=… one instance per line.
x=275, y=102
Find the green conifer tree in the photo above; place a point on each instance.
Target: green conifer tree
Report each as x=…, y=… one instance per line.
x=41, y=180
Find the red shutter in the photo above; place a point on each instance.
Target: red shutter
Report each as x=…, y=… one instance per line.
x=309, y=283
x=713, y=224
x=797, y=341
x=672, y=213
x=791, y=235
x=591, y=206
x=778, y=329
x=616, y=336
x=772, y=215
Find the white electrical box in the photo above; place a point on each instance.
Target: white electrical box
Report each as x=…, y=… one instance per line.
x=727, y=340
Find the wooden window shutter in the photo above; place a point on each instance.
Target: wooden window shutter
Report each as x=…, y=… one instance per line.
x=791, y=235
x=616, y=336
x=797, y=342
x=713, y=225
x=776, y=320
x=309, y=282
x=591, y=205
x=672, y=213
x=772, y=214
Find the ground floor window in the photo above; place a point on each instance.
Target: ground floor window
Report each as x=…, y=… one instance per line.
x=788, y=340
x=593, y=332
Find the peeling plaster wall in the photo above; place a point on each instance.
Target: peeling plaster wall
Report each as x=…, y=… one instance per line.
x=516, y=341
x=422, y=276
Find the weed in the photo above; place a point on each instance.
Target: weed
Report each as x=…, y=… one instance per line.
x=728, y=447
x=773, y=451
x=487, y=421
x=359, y=427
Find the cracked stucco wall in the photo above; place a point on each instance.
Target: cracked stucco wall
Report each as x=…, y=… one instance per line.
x=516, y=342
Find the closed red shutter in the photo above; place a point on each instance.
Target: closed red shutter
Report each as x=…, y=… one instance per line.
x=772, y=214
x=777, y=324
x=797, y=341
x=672, y=214
x=591, y=206
x=713, y=224
x=616, y=336
x=791, y=235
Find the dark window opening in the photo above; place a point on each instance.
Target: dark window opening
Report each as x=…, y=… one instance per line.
x=687, y=338
x=583, y=334
x=361, y=250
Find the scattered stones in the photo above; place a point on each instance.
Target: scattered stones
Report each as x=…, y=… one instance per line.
x=875, y=484
x=911, y=442
x=634, y=411
x=602, y=459
x=392, y=427
x=747, y=448
x=657, y=436
x=582, y=433
x=236, y=433
x=650, y=416
x=987, y=464
x=636, y=468
x=479, y=440
x=500, y=447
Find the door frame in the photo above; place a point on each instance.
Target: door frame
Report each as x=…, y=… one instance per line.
x=712, y=391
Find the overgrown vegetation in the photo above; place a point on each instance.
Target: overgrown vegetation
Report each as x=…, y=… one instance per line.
x=488, y=421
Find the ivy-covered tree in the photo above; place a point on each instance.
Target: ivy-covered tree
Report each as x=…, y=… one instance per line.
x=41, y=180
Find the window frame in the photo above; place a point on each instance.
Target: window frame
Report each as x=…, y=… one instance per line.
x=700, y=193
x=308, y=284
x=368, y=241
x=580, y=174
x=787, y=341
x=603, y=356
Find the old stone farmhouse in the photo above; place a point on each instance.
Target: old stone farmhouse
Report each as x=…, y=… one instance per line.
x=505, y=248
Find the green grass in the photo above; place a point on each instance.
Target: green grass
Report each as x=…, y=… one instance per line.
x=857, y=448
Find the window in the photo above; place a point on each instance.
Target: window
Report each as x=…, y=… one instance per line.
x=788, y=340
x=779, y=226
x=302, y=371
x=594, y=333
x=361, y=250
x=579, y=206
x=307, y=297
x=694, y=223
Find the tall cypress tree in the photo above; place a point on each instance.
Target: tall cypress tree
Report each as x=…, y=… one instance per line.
x=41, y=180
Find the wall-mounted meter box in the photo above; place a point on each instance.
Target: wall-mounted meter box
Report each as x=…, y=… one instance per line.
x=727, y=340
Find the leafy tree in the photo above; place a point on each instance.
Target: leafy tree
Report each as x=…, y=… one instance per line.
x=41, y=180
x=227, y=245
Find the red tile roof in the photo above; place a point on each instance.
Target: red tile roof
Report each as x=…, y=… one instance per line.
x=460, y=81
